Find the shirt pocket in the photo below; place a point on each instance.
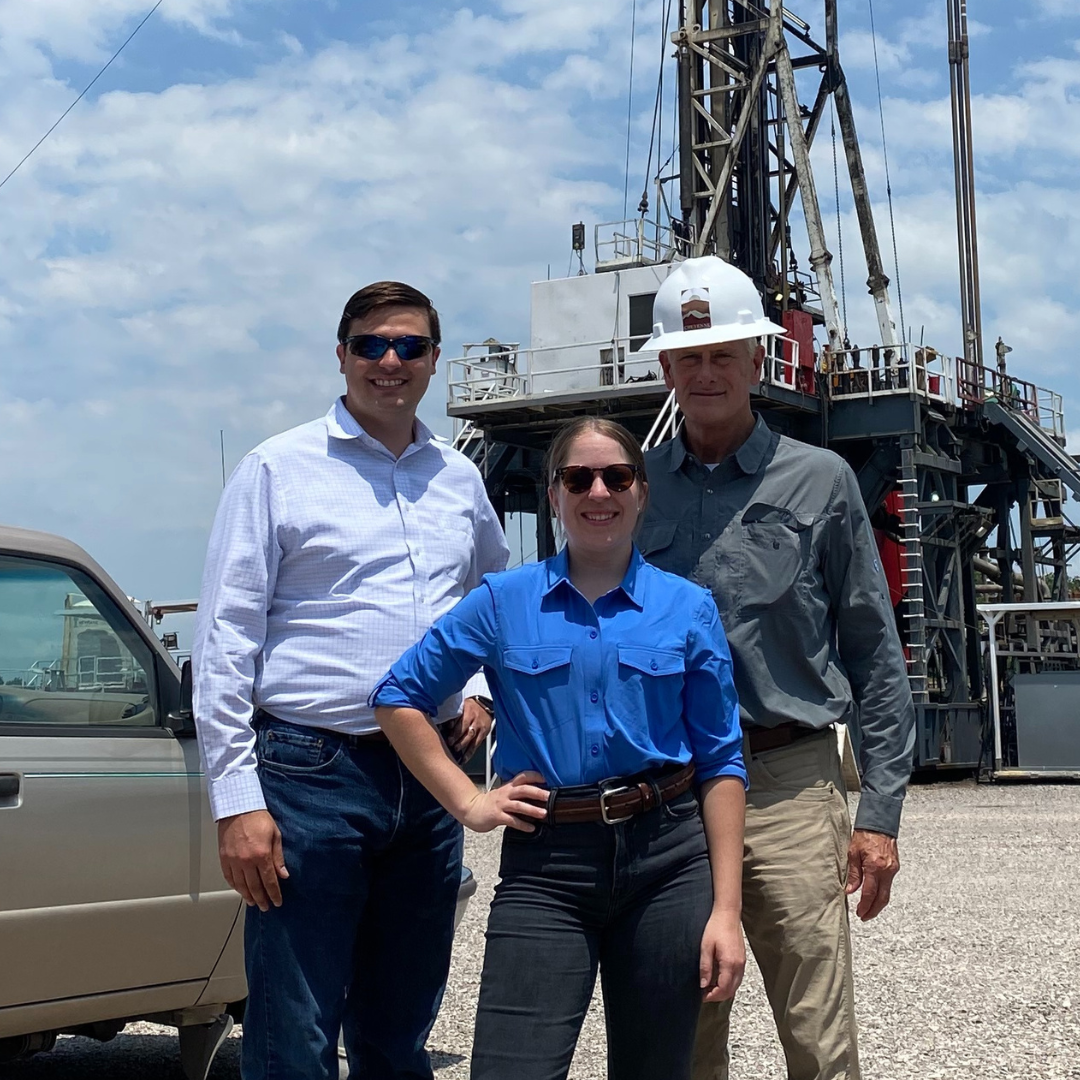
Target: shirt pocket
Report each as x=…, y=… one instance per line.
x=449, y=551
x=540, y=675
x=777, y=548
x=649, y=696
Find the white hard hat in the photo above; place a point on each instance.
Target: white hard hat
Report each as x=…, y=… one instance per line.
x=707, y=301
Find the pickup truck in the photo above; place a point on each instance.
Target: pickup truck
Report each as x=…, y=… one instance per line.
x=113, y=907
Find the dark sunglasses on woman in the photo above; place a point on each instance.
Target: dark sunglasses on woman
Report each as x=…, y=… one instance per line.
x=374, y=346
x=577, y=479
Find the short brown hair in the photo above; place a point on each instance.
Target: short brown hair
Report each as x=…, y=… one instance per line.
x=555, y=458
x=381, y=294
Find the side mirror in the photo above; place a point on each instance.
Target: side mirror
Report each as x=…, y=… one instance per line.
x=181, y=720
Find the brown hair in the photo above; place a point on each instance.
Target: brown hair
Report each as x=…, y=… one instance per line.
x=387, y=294
x=555, y=457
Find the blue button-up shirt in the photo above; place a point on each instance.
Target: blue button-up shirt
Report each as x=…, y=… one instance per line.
x=585, y=692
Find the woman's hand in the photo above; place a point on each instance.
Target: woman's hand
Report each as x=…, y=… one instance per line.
x=515, y=804
x=723, y=956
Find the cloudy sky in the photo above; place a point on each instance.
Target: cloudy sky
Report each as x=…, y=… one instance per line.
x=176, y=255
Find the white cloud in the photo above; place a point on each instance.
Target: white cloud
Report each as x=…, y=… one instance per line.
x=1054, y=9
x=91, y=30
x=175, y=262
x=895, y=51
x=179, y=260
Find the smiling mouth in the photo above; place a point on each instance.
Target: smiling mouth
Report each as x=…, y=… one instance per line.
x=600, y=516
x=389, y=382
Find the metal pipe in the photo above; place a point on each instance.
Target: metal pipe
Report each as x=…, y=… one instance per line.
x=686, y=109
x=964, y=180
x=820, y=257
x=976, y=310
x=995, y=705
x=877, y=281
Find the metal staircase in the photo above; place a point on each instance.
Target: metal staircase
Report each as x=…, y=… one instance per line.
x=1036, y=443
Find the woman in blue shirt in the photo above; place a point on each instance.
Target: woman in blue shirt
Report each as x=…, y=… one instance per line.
x=623, y=794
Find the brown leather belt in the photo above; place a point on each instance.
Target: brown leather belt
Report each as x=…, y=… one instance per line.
x=616, y=800
x=762, y=739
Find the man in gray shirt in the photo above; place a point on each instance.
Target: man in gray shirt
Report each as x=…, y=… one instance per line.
x=778, y=531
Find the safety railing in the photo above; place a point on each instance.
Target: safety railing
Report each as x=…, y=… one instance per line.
x=514, y=373
x=781, y=366
x=879, y=371
x=638, y=242
x=1038, y=404
x=666, y=425
x=978, y=384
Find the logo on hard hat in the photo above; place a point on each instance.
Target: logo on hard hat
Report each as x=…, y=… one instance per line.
x=696, y=312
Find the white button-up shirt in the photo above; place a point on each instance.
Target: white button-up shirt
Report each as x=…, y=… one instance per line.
x=329, y=557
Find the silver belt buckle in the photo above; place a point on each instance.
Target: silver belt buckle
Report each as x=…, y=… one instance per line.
x=604, y=813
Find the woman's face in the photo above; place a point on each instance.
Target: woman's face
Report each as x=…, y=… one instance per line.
x=599, y=519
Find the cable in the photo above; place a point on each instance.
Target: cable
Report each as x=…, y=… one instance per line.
x=888, y=182
x=629, y=109
x=83, y=94
x=839, y=226
x=657, y=133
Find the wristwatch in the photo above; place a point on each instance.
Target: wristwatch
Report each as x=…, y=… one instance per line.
x=486, y=704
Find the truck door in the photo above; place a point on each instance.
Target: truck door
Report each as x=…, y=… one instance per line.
x=108, y=867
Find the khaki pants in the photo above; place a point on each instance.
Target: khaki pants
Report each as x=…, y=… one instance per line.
x=795, y=913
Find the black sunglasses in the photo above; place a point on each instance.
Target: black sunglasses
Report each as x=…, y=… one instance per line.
x=577, y=479
x=374, y=346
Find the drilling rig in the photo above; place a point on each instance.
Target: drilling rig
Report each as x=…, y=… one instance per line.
x=954, y=458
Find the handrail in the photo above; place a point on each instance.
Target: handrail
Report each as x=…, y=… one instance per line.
x=868, y=373
x=888, y=370
x=514, y=373
x=635, y=240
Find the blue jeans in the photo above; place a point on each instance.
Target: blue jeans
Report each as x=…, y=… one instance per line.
x=362, y=939
x=630, y=900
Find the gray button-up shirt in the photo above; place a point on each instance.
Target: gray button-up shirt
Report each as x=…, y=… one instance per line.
x=780, y=535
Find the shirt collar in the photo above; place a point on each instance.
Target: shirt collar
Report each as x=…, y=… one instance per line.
x=341, y=424
x=558, y=572
x=749, y=456
x=752, y=452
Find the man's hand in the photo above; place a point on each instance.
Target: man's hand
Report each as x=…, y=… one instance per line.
x=249, y=846
x=873, y=860
x=467, y=731
x=723, y=957
x=516, y=804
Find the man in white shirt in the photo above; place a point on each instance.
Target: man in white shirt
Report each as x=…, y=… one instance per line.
x=335, y=546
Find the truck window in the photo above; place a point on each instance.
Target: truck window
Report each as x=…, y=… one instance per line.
x=68, y=655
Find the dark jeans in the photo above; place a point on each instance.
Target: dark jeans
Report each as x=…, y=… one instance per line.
x=362, y=939
x=631, y=899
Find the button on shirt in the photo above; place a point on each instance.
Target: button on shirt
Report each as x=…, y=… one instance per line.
x=779, y=533
x=328, y=558
x=585, y=692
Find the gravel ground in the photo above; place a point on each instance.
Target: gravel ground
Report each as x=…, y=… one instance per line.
x=972, y=972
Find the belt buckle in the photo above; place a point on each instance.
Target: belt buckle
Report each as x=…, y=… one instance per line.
x=604, y=812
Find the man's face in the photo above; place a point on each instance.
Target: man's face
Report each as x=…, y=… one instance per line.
x=712, y=382
x=379, y=390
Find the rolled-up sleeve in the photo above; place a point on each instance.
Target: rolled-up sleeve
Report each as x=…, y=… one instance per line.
x=710, y=702
x=870, y=651
x=445, y=658
x=490, y=554
x=238, y=581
